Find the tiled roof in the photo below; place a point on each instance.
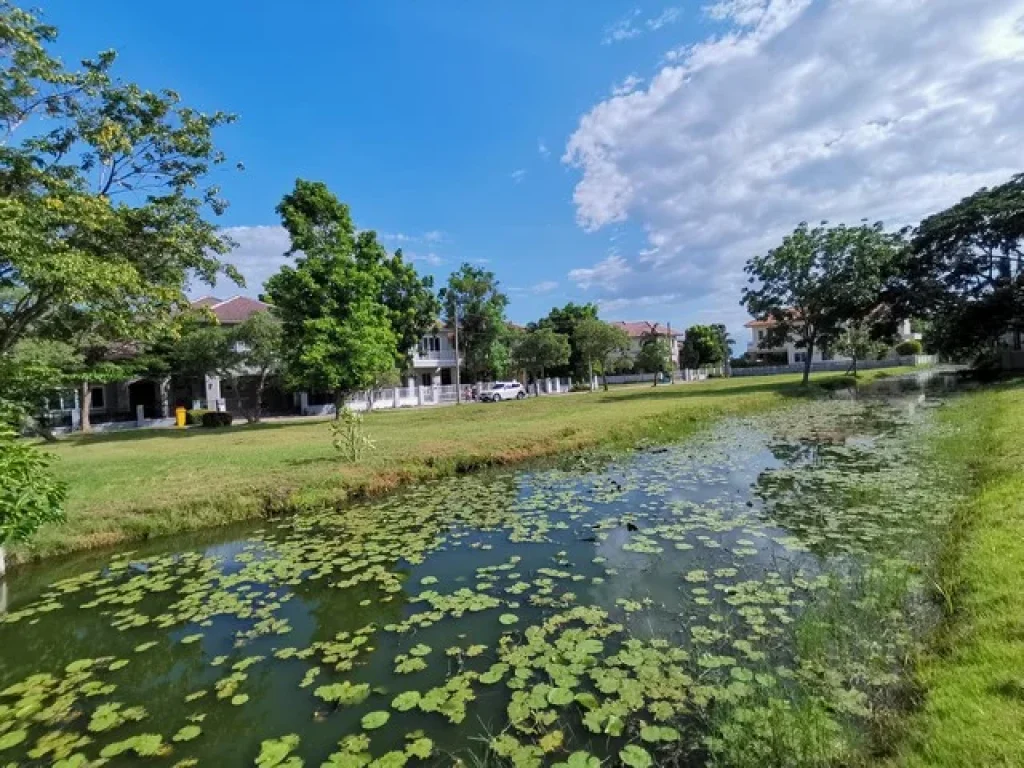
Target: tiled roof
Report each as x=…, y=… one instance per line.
x=637, y=330
x=231, y=311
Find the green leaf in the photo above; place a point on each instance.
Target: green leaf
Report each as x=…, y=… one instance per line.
x=375, y=720
x=188, y=733
x=508, y=618
x=403, y=702
x=635, y=757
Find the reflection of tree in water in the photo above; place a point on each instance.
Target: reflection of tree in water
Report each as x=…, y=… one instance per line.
x=838, y=496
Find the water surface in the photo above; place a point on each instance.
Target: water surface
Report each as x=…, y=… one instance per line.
x=669, y=604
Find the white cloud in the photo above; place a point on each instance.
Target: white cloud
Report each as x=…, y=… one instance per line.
x=258, y=255
x=435, y=236
x=542, y=149
x=518, y=175
x=628, y=84
x=631, y=25
x=430, y=258
x=547, y=286
x=666, y=17
x=623, y=29
x=796, y=110
x=605, y=274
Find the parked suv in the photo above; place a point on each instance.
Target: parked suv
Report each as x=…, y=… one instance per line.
x=503, y=390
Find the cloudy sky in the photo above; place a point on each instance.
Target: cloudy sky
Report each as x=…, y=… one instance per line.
x=630, y=154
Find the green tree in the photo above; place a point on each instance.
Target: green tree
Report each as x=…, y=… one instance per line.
x=29, y=495
x=818, y=280
x=703, y=345
x=565, y=320
x=601, y=343
x=103, y=201
x=540, y=350
x=473, y=297
x=964, y=274
x=348, y=310
x=654, y=356
x=858, y=343
x=260, y=345
x=30, y=373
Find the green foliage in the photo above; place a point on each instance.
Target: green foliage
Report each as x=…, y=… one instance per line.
x=909, y=347
x=348, y=436
x=349, y=312
x=965, y=272
x=704, y=345
x=600, y=343
x=819, y=279
x=29, y=495
x=30, y=374
x=565, y=320
x=857, y=343
x=213, y=419
x=474, y=298
x=654, y=355
x=194, y=416
x=540, y=350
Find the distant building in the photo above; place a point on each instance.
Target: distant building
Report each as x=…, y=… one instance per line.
x=641, y=330
x=788, y=353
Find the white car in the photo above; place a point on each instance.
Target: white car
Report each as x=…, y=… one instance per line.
x=503, y=390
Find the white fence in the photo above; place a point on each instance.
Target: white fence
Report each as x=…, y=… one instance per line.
x=677, y=376
x=410, y=397
x=837, y=365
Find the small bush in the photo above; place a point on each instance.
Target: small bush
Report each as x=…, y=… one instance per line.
x=908, y=347
x=217, y=419
x=349, y=437
x=194, y=416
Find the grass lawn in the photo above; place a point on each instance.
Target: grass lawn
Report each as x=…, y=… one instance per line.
x=974, y=681
x=134, y=485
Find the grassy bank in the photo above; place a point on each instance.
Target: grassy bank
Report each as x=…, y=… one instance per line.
x=974, y=708
x=135, y=485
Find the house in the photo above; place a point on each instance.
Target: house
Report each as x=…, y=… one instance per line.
x=432, y=362
x=788, y=353
x=640, y=331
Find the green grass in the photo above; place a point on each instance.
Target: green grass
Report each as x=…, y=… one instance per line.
x=973, y=713
x=135, y=485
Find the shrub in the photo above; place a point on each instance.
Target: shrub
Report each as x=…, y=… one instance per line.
x=194, y=416
x=349, y=437
x=908, y=347
x=217, y=419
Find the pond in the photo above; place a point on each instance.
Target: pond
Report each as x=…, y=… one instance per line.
x=744, y=597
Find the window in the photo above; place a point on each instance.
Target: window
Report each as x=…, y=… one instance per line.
x=430, y=344
x=446, y=377
x=426, y=379
x=96, y=398
x=799, y=357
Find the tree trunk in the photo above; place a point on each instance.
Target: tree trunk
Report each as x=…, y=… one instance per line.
x=604, y=375
x=807, y=362
x=3, y=562
x=85, y=396
x=339, y=403
x=590, y=381
x=258, y=410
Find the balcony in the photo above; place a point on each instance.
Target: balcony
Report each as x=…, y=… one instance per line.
x=444, y=358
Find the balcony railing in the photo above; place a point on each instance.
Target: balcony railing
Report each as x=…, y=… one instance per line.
x=442, y=357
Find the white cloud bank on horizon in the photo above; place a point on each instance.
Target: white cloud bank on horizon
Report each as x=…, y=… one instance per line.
x=798, y=110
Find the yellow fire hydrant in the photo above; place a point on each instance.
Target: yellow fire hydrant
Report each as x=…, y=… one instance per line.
x=179, y=416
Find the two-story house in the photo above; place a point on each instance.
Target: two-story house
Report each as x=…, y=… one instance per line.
x=788, y=353
x=640, y=331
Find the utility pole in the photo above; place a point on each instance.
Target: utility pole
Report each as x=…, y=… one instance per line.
x=458, y=366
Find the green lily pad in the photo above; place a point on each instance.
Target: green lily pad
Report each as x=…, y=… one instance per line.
x=375, y=720
x=635, y=757
x=508, y=618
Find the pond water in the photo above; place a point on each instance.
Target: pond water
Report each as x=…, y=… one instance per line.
x=744, y=594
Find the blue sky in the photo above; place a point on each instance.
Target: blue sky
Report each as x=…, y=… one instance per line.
x=633, y=154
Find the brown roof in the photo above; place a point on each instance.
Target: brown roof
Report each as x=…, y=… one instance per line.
x=637, y=330
x=769, y=321
x=231, y=311
x=206, y=301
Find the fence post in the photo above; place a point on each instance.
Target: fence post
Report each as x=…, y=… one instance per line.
x=397, y=397
x=419, y=394
x=140, y=414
